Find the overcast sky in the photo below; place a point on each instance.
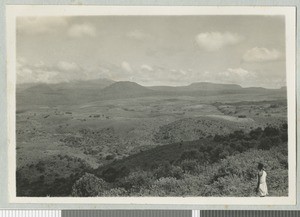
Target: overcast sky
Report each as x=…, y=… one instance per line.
x=245, y=50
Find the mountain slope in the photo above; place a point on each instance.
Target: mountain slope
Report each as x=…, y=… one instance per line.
x=40, y=88
x=61, y=93
x=78, y=92
x=126, y=89
x=206, y=86
x=199, y=86
x=96, y=84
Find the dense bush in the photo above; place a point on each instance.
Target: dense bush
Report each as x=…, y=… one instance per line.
x=168, y=170
x=89, y=186
x=39, y=179
x=226, y=166
x=135, y=181
x=190, y=166
x=114, y=192
x=237, y=175
x=111, y=174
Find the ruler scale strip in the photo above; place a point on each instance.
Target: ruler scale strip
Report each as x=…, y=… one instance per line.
x=180, y=213
x=127, y=213
x=30, y=213
x=248, y=213
x=149, y=213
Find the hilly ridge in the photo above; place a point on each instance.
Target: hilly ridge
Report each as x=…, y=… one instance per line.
x=156, y=141
x=199, y=86
x=125, y=89
x=79, y=92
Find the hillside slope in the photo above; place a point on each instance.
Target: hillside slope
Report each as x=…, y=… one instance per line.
x=125, y=89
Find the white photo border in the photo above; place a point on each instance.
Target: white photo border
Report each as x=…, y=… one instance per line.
x=14, y=11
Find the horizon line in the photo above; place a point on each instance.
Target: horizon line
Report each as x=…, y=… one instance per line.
x=163, y=85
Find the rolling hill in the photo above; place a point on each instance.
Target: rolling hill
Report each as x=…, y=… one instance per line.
x=206, y=86
x=199, y=86
x=41, y=88
x=65, y=93
x=80, y=92
x=126, y=89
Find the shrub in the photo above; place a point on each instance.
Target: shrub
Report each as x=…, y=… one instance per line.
x=110, y=174
x=89, y=186
x=189, y=166
x=165, y=186
x=190, y=154
x=265, y=144
x=256, y=133
x=135, y=180
x=271, y=131
x=218, y=138
x=114, y=192
x=109, y=157
x=237, y=175
x=239, y=134
x=231, y=185
x=168, y=170
x=40, y=166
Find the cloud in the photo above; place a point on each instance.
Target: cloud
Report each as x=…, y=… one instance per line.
x=126, y=66
x=27, y=73
x=240, y=72
x=146, y=67
x=261, y=54
x=137, y=35
x=183, y=72
x=213, y=41
x=63, y=71
x=24, y=73
x=81, y=30
x=66, y=66
x=40, y=25
x=238, y=76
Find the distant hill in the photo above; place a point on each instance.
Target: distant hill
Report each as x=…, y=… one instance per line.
x=255, y=88
x=61, y=93
x=126, y=89
x=96, y=84
x=40, y=94
x=199, y=86
x=77, y=92
x=207, y=89
x=23, y=86
x=72, y=85
x=284, y=88
x=206, y=86
x=40, y=88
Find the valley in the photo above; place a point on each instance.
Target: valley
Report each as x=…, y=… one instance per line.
x=66, y=130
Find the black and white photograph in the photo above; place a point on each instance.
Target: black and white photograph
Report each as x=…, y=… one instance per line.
x=167, y=105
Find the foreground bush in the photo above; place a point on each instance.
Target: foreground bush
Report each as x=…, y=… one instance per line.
x=225, y=167
x=89, y=186
x=237, y=175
